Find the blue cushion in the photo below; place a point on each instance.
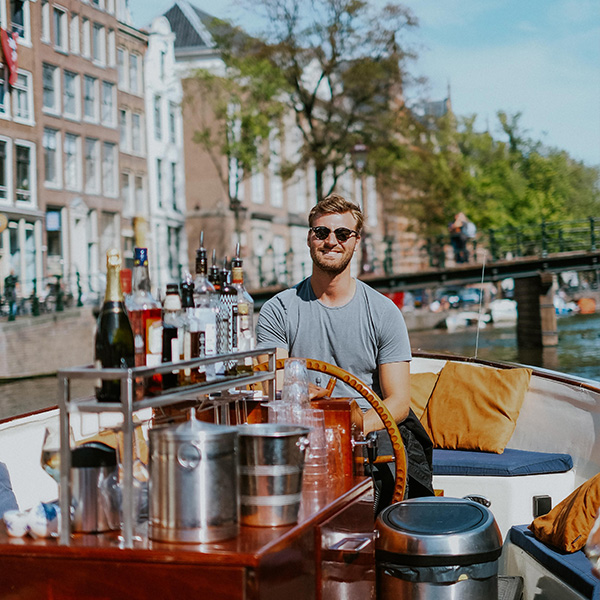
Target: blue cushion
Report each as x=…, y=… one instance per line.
x=573, y=568
x=511, y=462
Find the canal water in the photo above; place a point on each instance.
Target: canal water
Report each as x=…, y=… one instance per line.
x=578, y=353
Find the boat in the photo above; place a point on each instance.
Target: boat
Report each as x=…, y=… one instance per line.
x=330, y=552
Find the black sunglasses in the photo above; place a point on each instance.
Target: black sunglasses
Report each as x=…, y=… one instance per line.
x=342, y=234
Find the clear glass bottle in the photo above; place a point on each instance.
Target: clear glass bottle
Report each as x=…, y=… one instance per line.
x=114, y=344
x=190, y=326
x=227, y=318
x=244, y=334
x=145, y=314
x=173, y=333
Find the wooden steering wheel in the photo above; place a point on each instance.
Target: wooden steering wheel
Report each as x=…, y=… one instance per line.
x=371, y=397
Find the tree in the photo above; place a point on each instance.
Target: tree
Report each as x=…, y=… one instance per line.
x=342, y=64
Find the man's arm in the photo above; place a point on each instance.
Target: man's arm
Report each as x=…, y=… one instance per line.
x=394, y=379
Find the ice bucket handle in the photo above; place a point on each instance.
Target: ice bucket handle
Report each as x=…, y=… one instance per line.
x=189, y=456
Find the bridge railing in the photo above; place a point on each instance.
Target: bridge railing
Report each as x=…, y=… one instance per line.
x=541, y=239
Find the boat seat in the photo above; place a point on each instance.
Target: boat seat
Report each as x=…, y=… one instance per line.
x=573, y=569
x=510, y=481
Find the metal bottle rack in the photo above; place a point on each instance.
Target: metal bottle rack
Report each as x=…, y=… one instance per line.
x=128, y=406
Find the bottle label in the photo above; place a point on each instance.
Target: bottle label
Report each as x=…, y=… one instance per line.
x=210, y=339
x=154, y=332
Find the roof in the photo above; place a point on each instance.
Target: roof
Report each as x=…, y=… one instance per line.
x=189, y=25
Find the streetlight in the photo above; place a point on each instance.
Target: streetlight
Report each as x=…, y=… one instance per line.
x=359, y=159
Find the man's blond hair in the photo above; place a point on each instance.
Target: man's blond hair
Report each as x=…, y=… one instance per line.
x=336, y=204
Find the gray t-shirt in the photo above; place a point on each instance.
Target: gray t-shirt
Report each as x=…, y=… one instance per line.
x=361, y=335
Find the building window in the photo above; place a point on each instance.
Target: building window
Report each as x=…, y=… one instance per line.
x=45, y=21
x=124, y=131
x=139, y=194
x=25, y=168
x=134, y=74
x=159, y=181
x=90, y=98
x=50, y=98
x=122, y=68
x=19, y=12
x=72, y=162
x=112, y=61
x=99, y=44
x=92, y=166
x=71, y=95
x=136, y=133
x=126, y=193
x=172, y=122
x=174, y=184
x=86, y=49
x=3, y=171
x=61, y=36
x=74, y=33
x=157, y=118
x=109, y=171
x=4, y=97
x=51, y=158
x=108, y=104
x=23, y=98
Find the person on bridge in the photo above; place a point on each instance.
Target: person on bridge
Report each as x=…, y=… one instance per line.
x=461, y=230
x=332, y=316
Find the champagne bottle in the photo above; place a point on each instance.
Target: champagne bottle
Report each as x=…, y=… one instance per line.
x=114, y=346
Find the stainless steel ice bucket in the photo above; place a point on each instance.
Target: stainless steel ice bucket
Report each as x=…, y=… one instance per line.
x=271, y=464
x=193, y=487
x=91, y=465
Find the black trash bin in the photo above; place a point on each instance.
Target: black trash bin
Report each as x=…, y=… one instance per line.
x=437, y=549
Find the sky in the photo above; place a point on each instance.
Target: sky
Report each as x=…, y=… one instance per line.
x=537, y=57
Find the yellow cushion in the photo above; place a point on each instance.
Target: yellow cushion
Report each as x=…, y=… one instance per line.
x=569, y=523
x=421, y=386
x=474, y=407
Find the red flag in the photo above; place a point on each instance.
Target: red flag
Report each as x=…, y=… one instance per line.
x=9, y=48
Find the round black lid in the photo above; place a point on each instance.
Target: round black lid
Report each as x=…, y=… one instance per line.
x=93, y=454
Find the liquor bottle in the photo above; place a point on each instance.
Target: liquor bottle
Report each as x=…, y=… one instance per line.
x=206, y=310
x=114, y=346
x=145, y=314
x=190, y=326
x=213, y=273
x=244, y=334
x=173, y=334
x=227, y=318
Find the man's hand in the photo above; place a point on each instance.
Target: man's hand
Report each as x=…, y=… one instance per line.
x=316, y=393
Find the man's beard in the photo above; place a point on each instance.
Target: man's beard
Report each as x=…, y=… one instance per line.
x=331, y=267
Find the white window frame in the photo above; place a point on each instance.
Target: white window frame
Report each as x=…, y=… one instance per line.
x=46, y=22
x=25, y=35
x=99, y=44
x=123, y=68
x=139, y=195
x=86, y=38
x=109, y=180
x=8, y=198
x=110, y=7
x=126, y=192
x=125, y=130
x=47, y=134
x=107, y=109
x=157, y=116
x=55, y=109
x=96, y=103
x=135, y=82
x=63, y=22
x=76, y=115
x=5, y=111
x=28, y=89
x=75, y=184
x=32, y=173
x=139, y=148
x=74, y=34
x=92, y=187
x=111, y=50
x=172, y=122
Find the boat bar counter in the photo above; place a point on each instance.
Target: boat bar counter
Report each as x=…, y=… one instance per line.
x=254, y=551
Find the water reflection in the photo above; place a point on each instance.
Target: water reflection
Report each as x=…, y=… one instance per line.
x=577, y=351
